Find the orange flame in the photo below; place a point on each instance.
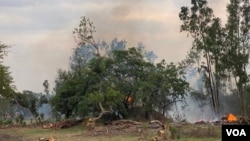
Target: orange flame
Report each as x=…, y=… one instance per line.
x=129, y=99
x=231, y=118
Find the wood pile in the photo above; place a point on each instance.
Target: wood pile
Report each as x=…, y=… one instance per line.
x=118, y=127
x=134, y=128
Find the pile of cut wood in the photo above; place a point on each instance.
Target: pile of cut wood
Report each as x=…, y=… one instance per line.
x=121, y=127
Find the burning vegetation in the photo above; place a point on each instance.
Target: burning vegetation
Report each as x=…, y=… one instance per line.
x=233, y=119
x=230, y=118
x=226, y=119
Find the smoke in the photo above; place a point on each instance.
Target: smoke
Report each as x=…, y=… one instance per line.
x=201, y=109
x=193, y=109
x=190, y=111
x=45, y=110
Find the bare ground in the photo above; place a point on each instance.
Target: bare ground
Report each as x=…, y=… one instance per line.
x=6, y=137
x=109, y=132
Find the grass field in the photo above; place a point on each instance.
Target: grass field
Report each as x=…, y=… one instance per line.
x=186, y=132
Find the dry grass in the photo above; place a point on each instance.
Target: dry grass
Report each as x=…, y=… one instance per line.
x=187, y=132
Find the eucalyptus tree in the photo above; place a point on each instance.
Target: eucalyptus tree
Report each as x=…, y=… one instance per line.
x=208, y=38
x=226, y=49
x=236, y=58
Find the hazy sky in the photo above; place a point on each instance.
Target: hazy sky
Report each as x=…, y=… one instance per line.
x=40, y=32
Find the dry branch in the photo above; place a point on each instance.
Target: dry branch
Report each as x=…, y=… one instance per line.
x=121, y=122
x=103, y=111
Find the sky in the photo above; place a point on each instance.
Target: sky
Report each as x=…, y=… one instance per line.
x=41, y=39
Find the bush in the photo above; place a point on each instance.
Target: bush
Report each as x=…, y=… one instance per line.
x=6, y=122
x=19, y=119
x=175, y=133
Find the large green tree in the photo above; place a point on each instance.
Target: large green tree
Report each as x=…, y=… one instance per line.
x=105, y=84
x=115, y=79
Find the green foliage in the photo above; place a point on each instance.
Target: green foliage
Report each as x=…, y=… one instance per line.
x=3, y=51
x=6, y=80
x=27, y=100
x=5, y=122
x=20, y=120
x=175, y=132
x=46, y=87
x=111, y=80
x=43, y=100
x=5, y=106
x=42, y=116
x=84, y=34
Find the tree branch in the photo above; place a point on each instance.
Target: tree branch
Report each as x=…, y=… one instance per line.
x=103, y=111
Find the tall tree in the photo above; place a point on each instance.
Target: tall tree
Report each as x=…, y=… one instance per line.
x=6, y=80
x=236, y=58
x=84, y=36
x=201, y=24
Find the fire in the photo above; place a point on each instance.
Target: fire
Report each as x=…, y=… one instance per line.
x=129, y=99
x=231, y=118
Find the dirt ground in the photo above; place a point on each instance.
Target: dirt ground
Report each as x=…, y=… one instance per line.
x=130, y=131
x=6, y=137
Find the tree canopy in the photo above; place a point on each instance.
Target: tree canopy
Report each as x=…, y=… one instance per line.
x=110, y=81
x=116, y=80
x=6, y=80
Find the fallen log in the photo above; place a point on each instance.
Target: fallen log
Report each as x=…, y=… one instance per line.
x=121, y=122
x=62, y=124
